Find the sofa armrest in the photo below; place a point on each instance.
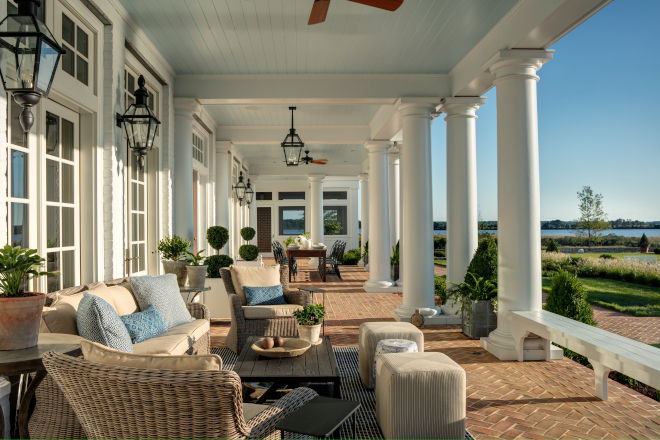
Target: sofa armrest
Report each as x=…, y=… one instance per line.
x=263, y=425
x=198, y=311
x=236, y=309
x=298, y=297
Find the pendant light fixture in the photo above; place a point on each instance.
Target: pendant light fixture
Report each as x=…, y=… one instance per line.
x=292, y=145
x=249, y=193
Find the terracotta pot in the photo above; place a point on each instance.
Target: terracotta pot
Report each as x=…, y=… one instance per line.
x=196, y=276
x=644, y=249
x=20, y=318
x=309, y=333
x=178, y=268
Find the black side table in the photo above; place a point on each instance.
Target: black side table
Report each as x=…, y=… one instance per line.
x=321, y=417
x=313, y=290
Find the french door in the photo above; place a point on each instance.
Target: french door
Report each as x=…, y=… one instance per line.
x=136, y=210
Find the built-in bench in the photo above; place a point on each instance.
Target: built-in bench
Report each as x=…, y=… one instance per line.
x=606, y=351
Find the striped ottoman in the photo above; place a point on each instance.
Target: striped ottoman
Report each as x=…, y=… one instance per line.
x=372, y=332
x=420, y=396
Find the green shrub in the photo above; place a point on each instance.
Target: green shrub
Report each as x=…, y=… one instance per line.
x=248, y=233
x=217, y=236
x=644, y=241
x=439, y=242
x=439, y=254
x=173, y=248
x=657, y=251
x=552, y=246
x=351, y=257
x=606, y=257
x=248, y=252
x=441, y=288
x=217, y=262
x=484, y=262
x=311, y=314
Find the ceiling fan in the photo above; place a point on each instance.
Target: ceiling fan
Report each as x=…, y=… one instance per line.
x=320, y=8
x=309, y=160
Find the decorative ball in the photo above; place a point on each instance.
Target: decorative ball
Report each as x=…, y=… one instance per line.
x=267, y=343
x=279, y=341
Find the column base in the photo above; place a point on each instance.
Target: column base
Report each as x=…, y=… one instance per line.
x=399, y=282
x=361, y=263
x=432, y=315
x=500, y=345
x=378, y=285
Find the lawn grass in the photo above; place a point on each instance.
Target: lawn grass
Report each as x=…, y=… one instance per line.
x=440, y=262
x=655, y=345
x=623, y=297
x=617, y=255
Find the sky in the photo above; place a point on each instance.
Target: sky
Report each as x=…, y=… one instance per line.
x=599, y=121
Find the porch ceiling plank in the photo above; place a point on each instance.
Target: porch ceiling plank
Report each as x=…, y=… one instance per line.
x=327, y=134
x=183, y=22
x=237, y=12
x=302, y=37
x=206, y=12
x=228, y=30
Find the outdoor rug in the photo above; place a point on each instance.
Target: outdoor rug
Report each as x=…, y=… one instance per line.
x=351, y=389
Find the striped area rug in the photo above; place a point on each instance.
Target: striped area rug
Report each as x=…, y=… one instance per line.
x=351, y=389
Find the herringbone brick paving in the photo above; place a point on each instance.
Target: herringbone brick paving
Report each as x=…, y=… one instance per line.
x=505, y=400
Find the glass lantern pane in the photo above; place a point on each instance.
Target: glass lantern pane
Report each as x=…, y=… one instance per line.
x=8, y=66
x=47, y=64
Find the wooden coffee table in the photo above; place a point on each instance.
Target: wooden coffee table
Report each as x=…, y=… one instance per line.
x=317, y=365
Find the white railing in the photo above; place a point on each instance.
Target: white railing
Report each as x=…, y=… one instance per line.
x=648, y=259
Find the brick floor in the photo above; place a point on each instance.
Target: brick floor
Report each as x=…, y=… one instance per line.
x=507, y=400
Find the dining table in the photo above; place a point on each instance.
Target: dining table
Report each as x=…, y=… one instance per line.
x=306, y=253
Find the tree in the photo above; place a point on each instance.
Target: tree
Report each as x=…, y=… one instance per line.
x=331, y=225
x=593, y=220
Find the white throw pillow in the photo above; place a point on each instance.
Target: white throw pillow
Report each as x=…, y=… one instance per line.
x=254, y=277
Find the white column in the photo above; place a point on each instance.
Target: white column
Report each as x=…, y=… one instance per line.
x=394, y=197
x=399, y=282
x=416, y=178
x=379, y=217
x=184, y=109
x=316, y=229
x=462, y=222
x=364, y=208
x=518, y=194
x=253, y=209
x=222, y=185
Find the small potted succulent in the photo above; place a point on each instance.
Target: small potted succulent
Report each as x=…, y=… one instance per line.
x=644, y=244
x=173, y=251
x=196, y=270
x=20, y=311
x=309, y=320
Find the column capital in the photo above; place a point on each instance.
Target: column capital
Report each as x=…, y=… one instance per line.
x=394, y=156
x=186, y=107
x=223, y=146
x=462, y=107
x=378, y=146
x=417, y=107
x=316, y=177
x=517, y=63
x=364, y=177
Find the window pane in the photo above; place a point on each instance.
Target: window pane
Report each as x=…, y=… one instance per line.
x=130, y=83
x=264, y=195
x=19, y=174
x=52, y=180
x=335, y=195
x=68, y=60
x=82, y=42
x=151, y=102
x=134, y=227
x=292, y=220
x=68, y=29
x=81, y=71
x=17, y=135
x=67, y=139
x=67, y=183
x=52, y=134
x=19, y=224
x=292, y=195
x=53, y=265
x=129, y=100
x=141, y=222
x=334, y=220
x=52, y=226
x=140, y=198
x=135, y=262
x=143, y=258
x=68, y=269
x=68, y=219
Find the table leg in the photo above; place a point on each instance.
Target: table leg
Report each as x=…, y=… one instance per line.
x=290, y=266
x=269, y=392
x=24, y=405
x=336, y=389
x=324, y=268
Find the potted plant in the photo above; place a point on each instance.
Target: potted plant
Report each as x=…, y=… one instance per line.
x=196, y=269
x=644, y=244
x=309, y=320
x=217, y=236
x=478, y=305
x=288, y=242
x=248, y=233
x=248, y=252
x=365, y=254
x=394, y=261
x=216, y=298
x=20, y=311
x=173, y=251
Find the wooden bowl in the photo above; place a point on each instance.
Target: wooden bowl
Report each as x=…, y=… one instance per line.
x=292, y=347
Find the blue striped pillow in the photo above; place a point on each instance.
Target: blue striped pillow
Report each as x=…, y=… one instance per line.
x=264, y=296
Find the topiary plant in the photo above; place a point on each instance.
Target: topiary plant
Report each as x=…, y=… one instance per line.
x=217, y=237
x=248, y=233
x=248, y=252
x=552, y=246
x=217, y=262
x=484, y=262
x=644, y=241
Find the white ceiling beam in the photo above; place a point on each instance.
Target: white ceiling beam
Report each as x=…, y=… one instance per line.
x=322, y=134
x=308, y=89
x=305, y=170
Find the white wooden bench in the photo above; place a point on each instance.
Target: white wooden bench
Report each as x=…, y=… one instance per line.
x=606, y=351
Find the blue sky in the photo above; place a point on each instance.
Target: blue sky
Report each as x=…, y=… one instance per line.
x=599, y=121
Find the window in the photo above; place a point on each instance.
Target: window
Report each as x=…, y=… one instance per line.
x=198, y=150
x=264, y=195
x=292, y=220
x=17, y=179
x=12, y=8
x=335, y=195
x=75, y=41
x=291, y=195
x=334, y=220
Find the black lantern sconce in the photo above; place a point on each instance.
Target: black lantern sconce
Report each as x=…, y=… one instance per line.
x=29, y=55
x=240, y=188
x=292, y=145
x=249, y=193
x=140, y=124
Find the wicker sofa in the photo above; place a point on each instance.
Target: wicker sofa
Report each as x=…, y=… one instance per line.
x=53, y=417
x=245, y=324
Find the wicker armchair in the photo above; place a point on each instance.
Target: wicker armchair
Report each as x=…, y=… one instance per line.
x=242, y=328
x=128, y=403
x=54, y=418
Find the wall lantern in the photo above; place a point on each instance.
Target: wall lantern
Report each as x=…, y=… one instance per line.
x=140, y=124
x=249, y=193
x=29, y=55
x=292, y=145
x=240, y=188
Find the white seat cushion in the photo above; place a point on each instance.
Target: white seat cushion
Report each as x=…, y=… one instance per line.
x=177, y=340
x=254, y=277
x=265, y=312
x=122, y=297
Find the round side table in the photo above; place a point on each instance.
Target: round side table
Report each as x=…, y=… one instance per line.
x=29, y=360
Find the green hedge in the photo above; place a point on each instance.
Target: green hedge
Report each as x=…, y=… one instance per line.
x=351, y=257
x=248, y=252
x=439, y=254
x=439, y=242
x=217, y=262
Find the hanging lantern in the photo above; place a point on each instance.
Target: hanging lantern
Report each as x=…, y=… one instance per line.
x=140, y=124
x=240, y=188
x=249, y=193
x=292, y=145
x=29, y=55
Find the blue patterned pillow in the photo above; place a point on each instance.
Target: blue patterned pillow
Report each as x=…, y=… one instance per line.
x=98, y=322
x=161, y=291
x=144, y=325
x=264, y=296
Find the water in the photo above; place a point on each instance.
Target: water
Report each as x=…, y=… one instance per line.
x=621, y=232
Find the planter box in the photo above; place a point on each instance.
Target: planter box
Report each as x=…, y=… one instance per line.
x=256, y=263
x=216, y=299
x=394, y=272
x=482, y=322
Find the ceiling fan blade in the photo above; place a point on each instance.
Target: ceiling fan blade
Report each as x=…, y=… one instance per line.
x=388, y=5
x=320, y=161
x=319, y=11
